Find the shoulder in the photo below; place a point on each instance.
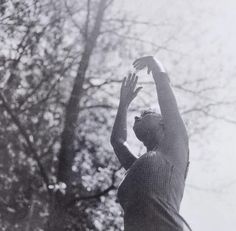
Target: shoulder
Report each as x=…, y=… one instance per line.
x=177, y=151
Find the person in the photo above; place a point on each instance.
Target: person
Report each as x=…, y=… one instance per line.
x=152, y=190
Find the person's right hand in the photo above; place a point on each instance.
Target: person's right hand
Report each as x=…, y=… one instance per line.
x=128, y=91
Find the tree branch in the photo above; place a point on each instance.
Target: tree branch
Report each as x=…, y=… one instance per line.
x=25, y=135
x=66, y=154
x=104, y=106
x=98, y=194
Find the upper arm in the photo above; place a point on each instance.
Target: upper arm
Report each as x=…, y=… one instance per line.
x=175, y=131
x=177, y=146
x=168, y=105
x=175, y=128
x=124, y=154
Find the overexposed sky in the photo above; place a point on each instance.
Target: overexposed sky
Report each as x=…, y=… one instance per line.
x=206, y=34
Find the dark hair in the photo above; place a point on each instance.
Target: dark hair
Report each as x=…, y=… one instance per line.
x=147, y=111
x=141, y=134
x=150, y=111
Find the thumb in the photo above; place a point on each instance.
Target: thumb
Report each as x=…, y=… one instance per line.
x=137, y=91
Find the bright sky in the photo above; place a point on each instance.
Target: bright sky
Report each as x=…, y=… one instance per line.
x=205, y=30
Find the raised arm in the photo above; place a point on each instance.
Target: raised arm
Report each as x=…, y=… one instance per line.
x=175, y=132
x=119, y=132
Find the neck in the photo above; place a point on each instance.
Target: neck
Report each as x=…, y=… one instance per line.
x=153, y=141
x=152, y=147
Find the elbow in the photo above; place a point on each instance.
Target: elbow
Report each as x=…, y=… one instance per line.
x=112, y=140
x=116, y=141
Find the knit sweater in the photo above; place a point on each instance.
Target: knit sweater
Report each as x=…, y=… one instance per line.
x=151, y=193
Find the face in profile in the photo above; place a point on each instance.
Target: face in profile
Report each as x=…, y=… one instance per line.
x=148, y=126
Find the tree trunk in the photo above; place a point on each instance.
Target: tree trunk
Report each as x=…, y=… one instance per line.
x=66, y=155
x=58, y=211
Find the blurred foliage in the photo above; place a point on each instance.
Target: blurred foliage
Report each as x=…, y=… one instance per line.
x=41, y=48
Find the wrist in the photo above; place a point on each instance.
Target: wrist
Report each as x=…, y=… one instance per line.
x=157, y=75
x=158, y=67
x=123, y=104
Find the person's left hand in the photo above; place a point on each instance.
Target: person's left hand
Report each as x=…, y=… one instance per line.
x=150, y=62
x=128, y=91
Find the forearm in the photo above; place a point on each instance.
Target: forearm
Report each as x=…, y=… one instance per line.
x=167, y=102
x=119, y=138
x=119, y=131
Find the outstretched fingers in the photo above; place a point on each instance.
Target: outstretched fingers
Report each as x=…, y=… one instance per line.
x=135, y=80
x=130, y=83
x=130, y=80
x=137, y=61
x=127, y=80
x=123, y=82
x=139, y=65
x=128, y=91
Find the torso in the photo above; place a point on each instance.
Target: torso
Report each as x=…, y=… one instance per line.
x=151, y=193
